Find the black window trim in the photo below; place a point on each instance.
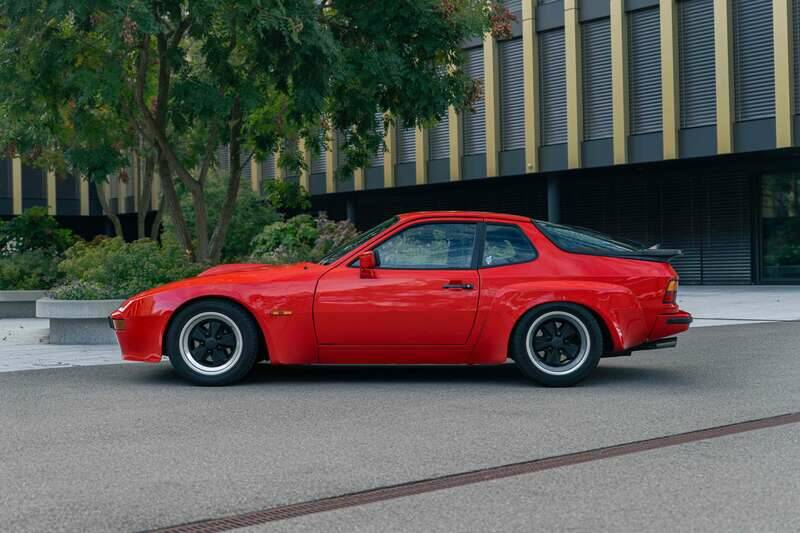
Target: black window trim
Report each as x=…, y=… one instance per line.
x=522, y=232
x=477, y=247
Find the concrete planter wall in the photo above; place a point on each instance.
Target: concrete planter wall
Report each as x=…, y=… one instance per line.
x=19, y=304
x=78, y=321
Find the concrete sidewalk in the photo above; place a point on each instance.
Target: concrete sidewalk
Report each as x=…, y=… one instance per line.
x=726, y=305
x=23, y=342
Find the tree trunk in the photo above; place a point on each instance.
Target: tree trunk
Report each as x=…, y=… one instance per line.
x=170, y=200
x=107, y=210
x=155, y=229
x=228, y=207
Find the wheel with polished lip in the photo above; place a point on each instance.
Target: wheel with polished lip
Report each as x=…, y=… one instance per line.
x=557, y=345
x=212, y=342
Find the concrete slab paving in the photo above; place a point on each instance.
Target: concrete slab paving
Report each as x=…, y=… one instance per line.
x=746, y=482
x=131, y=447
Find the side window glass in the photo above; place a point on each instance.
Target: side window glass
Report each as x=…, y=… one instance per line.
x=506, y=245
x=430, y=246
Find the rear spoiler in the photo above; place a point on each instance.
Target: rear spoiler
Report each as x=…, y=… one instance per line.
x=663, y=255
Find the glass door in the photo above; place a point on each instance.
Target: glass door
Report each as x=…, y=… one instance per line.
x=780, y=228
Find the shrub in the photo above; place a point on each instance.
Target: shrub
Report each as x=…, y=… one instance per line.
x=29, y=270
x=301, y=238
x=34, y=229
x=112, y=268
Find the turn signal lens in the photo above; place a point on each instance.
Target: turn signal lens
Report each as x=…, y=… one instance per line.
x=671, y=294
x=118, y=324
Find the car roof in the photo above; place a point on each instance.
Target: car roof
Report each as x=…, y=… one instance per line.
x=420, y=215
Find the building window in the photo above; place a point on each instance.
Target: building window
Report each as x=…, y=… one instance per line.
x=377, y=159
x=596, y=70
x=475, y=121
x=439, y=139
x=512, y=100
x=780, y=223
x=320, y=162
x=754, y=74
x=644, y=71
x=268, y=167
x=698, y=104
x=552, y=87
x=406, y=145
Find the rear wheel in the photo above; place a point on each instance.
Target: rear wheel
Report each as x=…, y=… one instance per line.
x=557, y=345
x=213, y=342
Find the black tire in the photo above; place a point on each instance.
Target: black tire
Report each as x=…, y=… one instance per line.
x=216, y=322
x=552, y=359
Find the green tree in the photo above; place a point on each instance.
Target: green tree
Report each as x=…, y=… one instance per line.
x=83, y=80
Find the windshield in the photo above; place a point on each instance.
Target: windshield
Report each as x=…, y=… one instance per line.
x=581, y=240
x=336, y=253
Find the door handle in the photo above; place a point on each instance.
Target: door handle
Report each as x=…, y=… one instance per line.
x=464, y=286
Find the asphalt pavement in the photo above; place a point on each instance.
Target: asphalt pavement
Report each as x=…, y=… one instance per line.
x=132, y=447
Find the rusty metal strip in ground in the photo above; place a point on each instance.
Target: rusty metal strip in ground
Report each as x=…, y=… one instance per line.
x=468, y=478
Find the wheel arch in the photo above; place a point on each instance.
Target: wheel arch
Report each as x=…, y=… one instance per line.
x=262, y=340
x=608, y=340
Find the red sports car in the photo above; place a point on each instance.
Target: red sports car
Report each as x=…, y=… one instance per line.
x=421, y=288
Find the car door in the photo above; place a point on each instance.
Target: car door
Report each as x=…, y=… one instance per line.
x=423, y=291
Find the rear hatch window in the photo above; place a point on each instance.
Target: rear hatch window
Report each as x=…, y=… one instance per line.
x=585, y=241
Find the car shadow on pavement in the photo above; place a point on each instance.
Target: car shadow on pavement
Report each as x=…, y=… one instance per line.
x=505, y=375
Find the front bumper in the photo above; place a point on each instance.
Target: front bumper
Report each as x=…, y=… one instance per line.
x=139, y=337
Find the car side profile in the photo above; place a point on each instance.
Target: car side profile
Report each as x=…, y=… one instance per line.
x=420, y=288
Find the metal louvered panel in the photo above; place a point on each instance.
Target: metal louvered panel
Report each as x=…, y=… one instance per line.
x=754, y=73
x=698, y=104
x=553, y=87
x=406, y=145
x=224, y=158
x=268, y=167
x=644, y=40
x=680, y=226
x=246, y=167
x=726, y=230
x=513, y=5
x=796, y=38
x=439, y=139
x=377, y=159
x=475, y=122
x=597, y=102
x=319, y=163
x=512, y=98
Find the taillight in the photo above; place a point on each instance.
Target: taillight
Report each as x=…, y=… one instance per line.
x=671, y=294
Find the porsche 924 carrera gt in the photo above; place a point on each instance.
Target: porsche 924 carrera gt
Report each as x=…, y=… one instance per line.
x=421, y=288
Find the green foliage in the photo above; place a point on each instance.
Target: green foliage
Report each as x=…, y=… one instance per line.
x=34, y=229
x=252, y=213
x=286, y=196
x=29, y=270
x=112, y=268
x=301, y=238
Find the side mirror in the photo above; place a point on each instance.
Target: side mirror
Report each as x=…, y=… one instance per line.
x=367, y=262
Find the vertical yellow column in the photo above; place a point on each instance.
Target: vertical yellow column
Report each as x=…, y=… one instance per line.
x=784, y=75
x=619, y=74
x=51, y=192
x=255, y=175
x=390, y=155
x=670, y=97
x=422, y=155
x=723, y=58
x=530, y=62
x=84, y=195
x=16, y=185
x=305, y=171
x=331, y=162
x=491, y=80
x=572, y=36
x=456, y=127
x=155, y=190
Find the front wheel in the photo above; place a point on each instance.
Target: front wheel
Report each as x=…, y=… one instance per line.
x=557, y=345
x=213, y=342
